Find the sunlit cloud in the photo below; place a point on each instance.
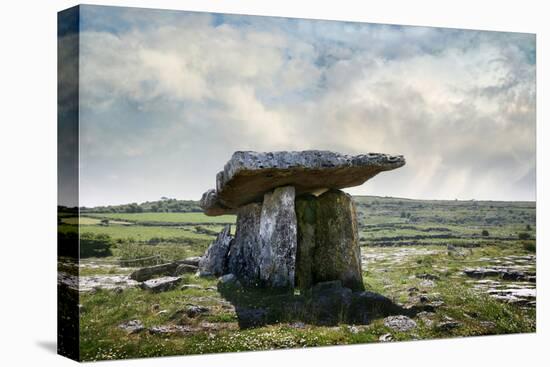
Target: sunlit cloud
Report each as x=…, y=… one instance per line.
x=166, y=97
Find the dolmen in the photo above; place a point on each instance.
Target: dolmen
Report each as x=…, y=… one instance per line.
x=295, y=227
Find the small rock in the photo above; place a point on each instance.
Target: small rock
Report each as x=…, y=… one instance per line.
x=161, y=330
x=194, y=310
x=448, y=325
x=353, y=329
x=385, y=338
x=185, y=269
x=150, y=272
x=160, y=284
x=399, y=323
x=427, y=283
x=298, y=325
x=132, y=326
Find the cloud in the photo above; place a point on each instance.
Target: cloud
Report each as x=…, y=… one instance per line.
x=166, y=97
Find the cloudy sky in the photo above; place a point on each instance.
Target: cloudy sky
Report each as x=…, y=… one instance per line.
x=166, y=97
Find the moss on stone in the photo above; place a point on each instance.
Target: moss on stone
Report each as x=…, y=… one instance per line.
x=337, y=254
x=306, y=216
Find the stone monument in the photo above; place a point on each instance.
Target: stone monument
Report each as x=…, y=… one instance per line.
x=295, y=228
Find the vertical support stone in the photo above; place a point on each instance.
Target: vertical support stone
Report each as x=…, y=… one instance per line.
x=278, y=241
x=306, y=217
x=337, y=255
x=244, y=252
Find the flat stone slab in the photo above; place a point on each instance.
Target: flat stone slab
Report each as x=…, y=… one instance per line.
x=160, y=284
x=247, y=176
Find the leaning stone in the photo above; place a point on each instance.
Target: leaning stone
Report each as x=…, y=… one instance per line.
x=149, y=272
x=244, y=250
x=185, y=269
x=306, y=217
x=214, y=261
x=247, y=176
x=160, y=284
x=278, y=244
x=337, y=252
x=400, y=323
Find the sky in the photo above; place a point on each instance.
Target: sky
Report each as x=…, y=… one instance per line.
x=167, y=96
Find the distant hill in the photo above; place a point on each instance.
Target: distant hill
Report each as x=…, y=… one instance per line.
x=169, y=205
x=164, y=205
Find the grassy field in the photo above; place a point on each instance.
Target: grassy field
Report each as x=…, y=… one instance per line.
x=171, y=218
x=403, y=241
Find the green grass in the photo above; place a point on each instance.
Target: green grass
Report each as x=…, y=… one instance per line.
x=188, y=234
x=103, y=311
x=183, y=218
x=139, y=233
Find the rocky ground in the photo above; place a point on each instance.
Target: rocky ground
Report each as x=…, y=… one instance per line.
x=114, y=307
x=434, y=269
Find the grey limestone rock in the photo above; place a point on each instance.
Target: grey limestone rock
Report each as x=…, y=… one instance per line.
x=247, y=176
x=132, y=326
x=244, y=252
x=277, y=237
x=306, y=217
x=149, y=272
x=400, y=323
x=337, y=255
x=214, y=261
x=160, y=284
x=185, y=269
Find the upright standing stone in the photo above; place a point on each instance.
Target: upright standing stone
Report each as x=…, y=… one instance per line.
x=244, y=252
x=214, y=261
x=337, y=253
x=278, y=240
x=306, y=217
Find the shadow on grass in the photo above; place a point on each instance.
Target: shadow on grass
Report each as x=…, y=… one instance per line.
x=325, y=304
